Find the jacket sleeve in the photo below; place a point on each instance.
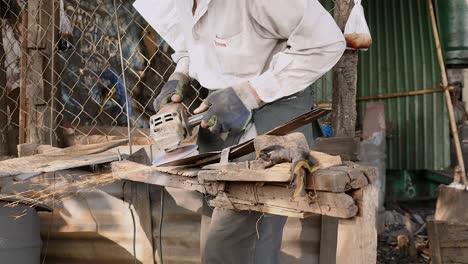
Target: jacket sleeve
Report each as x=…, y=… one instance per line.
x=181, y=55
x=314, y=45
x=182, y=59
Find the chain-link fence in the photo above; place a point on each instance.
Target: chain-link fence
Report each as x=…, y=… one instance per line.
x=84, y=65
x=80, y=63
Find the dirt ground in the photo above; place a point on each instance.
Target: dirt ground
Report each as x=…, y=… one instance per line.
x=396, y=245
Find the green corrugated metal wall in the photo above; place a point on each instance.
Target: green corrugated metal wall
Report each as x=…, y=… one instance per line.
x=402, y=58
x=323, y=87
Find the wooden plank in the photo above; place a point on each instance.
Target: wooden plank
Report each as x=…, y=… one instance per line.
x=345, y=147
x=449, y=232
x=250, y=164
x=328, y=240
x=27, y=149
x=451, y=204
x=337, y=179
x=334, y=179
x=38, y=22
x=68, y=163
x=357, y=237
x=454, y=244
x=454, y=255
x=59, y=159
x=434, y=240
x=222, y=202
x=179, y=170
x=371, y=173
x=448, y=240
x=127, y=170
x=328, y=180
x=278, y=173
x=325, y=161
x=358, y=179
x=325, y=203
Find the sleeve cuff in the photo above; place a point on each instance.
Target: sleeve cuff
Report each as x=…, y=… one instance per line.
x=183, y=65
x=178, y=55
x=267, y=87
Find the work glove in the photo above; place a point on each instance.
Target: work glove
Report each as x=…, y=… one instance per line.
x=291, y=148
x=173, y=90
x=228, y=110
x=281, y=149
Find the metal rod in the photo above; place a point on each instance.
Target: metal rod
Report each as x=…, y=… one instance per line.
x=124, y=81
x=195, y=120
x=448, y=99
x=403, y=94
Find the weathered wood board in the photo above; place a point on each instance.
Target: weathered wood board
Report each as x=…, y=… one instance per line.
x=249, y=195
x=345, y=147
x=56, y=159
x=223, y=202
x=334, y=179
x=278, y=173
x=338, y=205
x=357, y=237
x=127, y=170
x=452, y=204
x=448, y=241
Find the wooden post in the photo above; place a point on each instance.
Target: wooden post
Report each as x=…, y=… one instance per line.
x=23, y=112
x=34, y=117
x=3, y=103
x=343, y=122
x=356, y=238
x=344, y=81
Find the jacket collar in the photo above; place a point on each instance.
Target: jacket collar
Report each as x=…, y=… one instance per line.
x=202, y=7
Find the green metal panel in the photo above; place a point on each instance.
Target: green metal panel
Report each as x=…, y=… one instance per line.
x=323, y=89
x=453, y=25
x=324, y=86
x=403, y=58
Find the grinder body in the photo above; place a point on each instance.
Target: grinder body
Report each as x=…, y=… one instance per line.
x=171, y=125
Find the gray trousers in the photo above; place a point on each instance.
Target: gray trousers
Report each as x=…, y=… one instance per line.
x=247, y=237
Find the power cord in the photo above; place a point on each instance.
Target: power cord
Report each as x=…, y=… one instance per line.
x=161, y=213
x=130, y=203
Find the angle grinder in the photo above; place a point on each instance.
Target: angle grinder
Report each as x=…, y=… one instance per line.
x=168, y=128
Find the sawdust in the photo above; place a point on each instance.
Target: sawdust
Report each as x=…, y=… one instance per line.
x=58, y=190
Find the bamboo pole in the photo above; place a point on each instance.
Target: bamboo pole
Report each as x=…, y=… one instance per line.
x=448, y=99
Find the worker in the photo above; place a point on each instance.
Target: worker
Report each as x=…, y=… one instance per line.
x=256, y=57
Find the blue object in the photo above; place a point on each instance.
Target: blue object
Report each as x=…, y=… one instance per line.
x=327, y=130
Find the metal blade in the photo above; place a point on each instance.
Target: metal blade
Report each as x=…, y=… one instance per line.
x=178, y=153
x=248, y=146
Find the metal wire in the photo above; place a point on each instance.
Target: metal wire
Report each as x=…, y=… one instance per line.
x=127, y=104
x=130, y=204
x=71, y=83
x=100, y=76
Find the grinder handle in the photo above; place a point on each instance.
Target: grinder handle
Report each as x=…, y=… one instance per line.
x=194, y=120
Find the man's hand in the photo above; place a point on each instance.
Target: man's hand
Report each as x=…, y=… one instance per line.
x=173, y=90
x=229, y=109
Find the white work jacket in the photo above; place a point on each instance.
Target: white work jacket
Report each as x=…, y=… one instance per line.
x=280, y=46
